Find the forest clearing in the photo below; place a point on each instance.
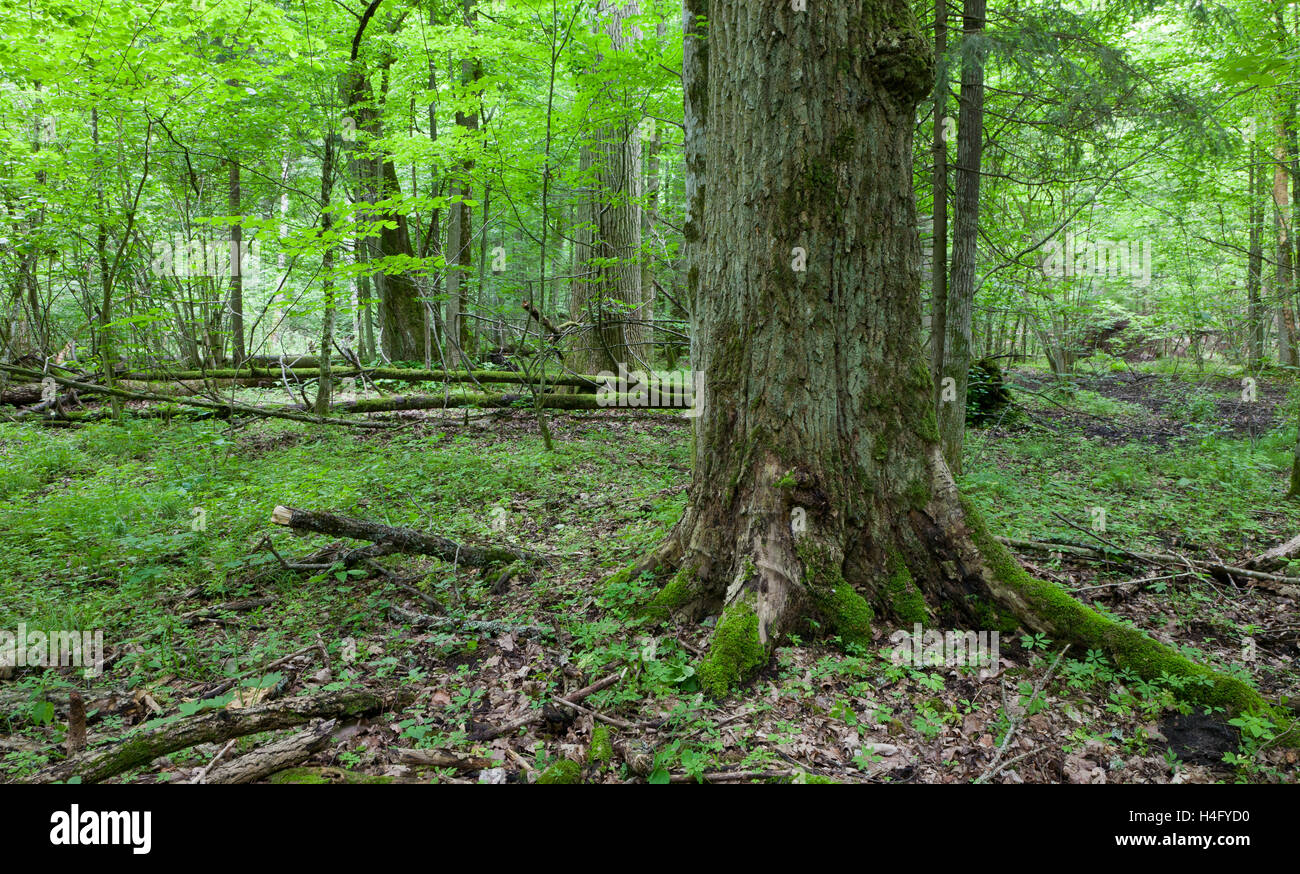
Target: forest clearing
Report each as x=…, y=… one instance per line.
x=651, y=391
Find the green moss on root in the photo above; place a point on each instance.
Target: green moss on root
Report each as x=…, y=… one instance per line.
x=846, y=612
x=735, y=654
x=1070, y=621
x=601, y=750
x=906, y=599
x=560, y=772
x=676, y=593
x=619, y=577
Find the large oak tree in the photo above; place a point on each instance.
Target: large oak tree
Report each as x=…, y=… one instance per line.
x=819, y=491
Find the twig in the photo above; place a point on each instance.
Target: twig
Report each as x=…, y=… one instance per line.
x=1015, y=720
x=203, y=772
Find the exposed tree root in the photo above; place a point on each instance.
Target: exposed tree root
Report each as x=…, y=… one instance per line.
x=933, y=563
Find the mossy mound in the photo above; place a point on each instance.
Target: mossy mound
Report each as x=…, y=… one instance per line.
x=561, y=771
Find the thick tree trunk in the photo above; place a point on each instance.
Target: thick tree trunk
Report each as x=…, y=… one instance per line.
x=819, y=489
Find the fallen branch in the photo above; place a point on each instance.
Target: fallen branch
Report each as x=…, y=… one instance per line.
x=435, y=759
x=732, y=776
x=393, y=374
x=160, y=737
x=536, y=715
x=221, y=754
x=1014, y=719
x=405, y=540
x=612, y=401
x=194, y=617
x=1272, y=582
x=275, y=756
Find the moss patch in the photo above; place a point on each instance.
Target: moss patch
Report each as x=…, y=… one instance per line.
x=317, y=776
x=735, y=654
x=905, y=598
x=846, y=612
x=602, y=747
x=676, y=593
x=561, y=771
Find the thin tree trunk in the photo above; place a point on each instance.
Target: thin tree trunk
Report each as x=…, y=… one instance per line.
x=961, y=296
x=939, y=186
x=236, y=270
x=460, y=224
x=1255, y=261
x=325, y=390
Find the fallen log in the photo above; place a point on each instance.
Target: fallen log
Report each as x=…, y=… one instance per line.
x=21, y=395
x=1276, y=558
x=436, y=759
x=393, y=374
x=611, y=401
x=160, y=737
x=275, y=756
x=404, y=540
x=228, y=408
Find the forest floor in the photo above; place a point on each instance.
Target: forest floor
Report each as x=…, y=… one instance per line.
x=99, y=530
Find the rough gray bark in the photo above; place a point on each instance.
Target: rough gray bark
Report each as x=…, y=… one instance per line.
x=400, y=309
x=272, y=757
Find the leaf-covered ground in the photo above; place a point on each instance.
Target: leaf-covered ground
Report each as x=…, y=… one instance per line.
x=97, y=531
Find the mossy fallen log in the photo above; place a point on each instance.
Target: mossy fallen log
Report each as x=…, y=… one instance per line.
x=394, y=374
x=160, y=737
